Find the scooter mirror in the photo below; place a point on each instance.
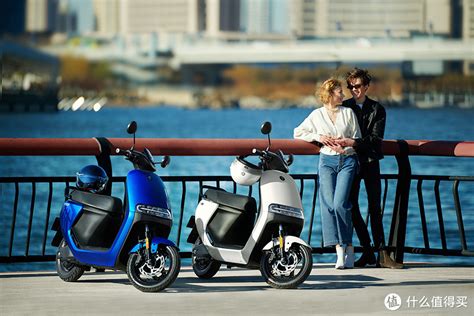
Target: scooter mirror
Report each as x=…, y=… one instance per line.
x=289, y=161
x=166, y=160
x=132, y=127
x=266, y=128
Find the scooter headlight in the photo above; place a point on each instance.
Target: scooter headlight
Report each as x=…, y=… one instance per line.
x=286, y=210
x=155, y=211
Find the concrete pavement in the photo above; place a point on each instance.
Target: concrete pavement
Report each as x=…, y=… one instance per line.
x=421, y=289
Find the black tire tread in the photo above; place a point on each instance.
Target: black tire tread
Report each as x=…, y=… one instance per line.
x=295, y=282
x=210, y=270
x=68, y=276
x=167, y=281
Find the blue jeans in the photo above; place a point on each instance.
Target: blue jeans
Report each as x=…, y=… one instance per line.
x=336, y=174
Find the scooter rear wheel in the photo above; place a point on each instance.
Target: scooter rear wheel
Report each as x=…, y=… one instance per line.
x=204, y=267
x=156, y=276
x=287, y=273
x=67, y=271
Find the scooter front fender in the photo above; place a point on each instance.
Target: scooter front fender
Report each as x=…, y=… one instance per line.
x=289, y=241
x=155, y=242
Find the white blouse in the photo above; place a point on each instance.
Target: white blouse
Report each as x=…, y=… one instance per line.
x=318, y=123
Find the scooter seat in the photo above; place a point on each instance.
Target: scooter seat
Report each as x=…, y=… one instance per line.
x=105, y=203
x=241, y=202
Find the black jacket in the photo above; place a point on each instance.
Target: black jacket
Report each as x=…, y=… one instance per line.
x=371, y=119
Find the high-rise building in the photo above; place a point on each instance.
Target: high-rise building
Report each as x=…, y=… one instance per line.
x=41, y=15
x=258, y=16
x=36, y=15
x=456, y=18
x=438, y=15
x=107, y=16
x=265, y=16
x=84, y=10
x=279, y=17
x=370, y=18
x=468, y=31
x=468, y=20
x=229, y=15
x=221, y=16
x=147, y=16
x=63, y=19
x=64, y=16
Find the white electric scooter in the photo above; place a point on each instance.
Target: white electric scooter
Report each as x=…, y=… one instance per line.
x=224, y=229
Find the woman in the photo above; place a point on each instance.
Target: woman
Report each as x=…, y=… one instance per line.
x=337, y=167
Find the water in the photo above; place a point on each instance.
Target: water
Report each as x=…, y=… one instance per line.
x=169, y=122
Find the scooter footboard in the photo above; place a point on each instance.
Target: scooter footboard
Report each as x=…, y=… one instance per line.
x=155, y=242
x=289, y=241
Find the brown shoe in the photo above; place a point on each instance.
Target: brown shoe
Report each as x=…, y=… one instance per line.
x=385, y=261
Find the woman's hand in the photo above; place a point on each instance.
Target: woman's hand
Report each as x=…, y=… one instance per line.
x=338, y=148
x=332, y=143
x=327, y=140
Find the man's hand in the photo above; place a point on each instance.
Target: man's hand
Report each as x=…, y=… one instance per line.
x=345, y=142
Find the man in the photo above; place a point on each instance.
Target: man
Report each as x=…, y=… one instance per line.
x=371, y=118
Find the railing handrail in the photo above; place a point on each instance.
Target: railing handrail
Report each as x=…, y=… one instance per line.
x=211, y=147
x=102, y=148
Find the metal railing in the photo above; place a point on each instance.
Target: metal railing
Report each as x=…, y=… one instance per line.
x=33, y=245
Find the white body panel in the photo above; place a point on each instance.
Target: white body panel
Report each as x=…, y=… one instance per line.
x=289, y=240
x=275, y=188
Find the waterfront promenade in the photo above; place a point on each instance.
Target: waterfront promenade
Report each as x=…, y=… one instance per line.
x=422, y=288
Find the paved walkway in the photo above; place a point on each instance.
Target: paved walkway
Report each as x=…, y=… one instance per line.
x=423, y=289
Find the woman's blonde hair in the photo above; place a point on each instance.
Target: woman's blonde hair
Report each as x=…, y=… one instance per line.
x=326, y=90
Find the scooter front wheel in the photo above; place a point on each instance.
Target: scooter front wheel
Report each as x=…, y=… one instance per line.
x=67, y=271
x=289, y=271
x=157, y=273
x=204, y=267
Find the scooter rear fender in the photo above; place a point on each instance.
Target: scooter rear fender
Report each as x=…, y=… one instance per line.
x=289, y=241
x=155, y=242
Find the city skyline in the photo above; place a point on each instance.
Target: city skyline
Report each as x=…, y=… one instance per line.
x=231, y=19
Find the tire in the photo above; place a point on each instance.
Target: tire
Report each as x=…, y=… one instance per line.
x=204, y=268
x=67, y=271
x=168, y=264
x=300, y=258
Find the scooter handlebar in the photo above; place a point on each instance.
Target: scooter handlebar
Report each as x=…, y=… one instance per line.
x=121, y=151
x=127, y=153
x=257, y=151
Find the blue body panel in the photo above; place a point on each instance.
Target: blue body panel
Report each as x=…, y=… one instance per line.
x=155, y=242
x=146, y=188
x=142, y=187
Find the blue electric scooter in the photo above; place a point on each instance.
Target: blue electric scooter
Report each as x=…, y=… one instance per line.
x=94, y=230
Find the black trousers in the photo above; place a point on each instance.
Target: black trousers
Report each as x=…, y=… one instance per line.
x=370, y=173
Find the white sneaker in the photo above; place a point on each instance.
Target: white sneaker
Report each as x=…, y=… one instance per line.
x=349, y=257
x=340, y=258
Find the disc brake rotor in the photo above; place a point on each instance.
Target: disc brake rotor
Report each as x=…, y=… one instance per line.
x=282, y=267
x=153, y=268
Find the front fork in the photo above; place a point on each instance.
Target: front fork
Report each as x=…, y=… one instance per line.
x=281, y=241
x=146, y=241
